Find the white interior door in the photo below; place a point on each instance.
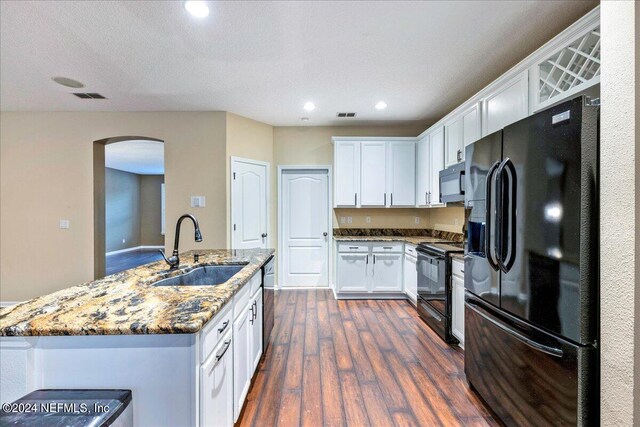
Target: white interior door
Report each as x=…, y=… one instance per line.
x=249, y=195
x=305, y=227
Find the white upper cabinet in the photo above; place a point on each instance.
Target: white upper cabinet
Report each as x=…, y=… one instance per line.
x=374, y=172
x=436, y=155
x=423, y=175
x=431, y=152
x=373, y=167
x=401, y=176
x=453, y=141
x=464, y=129
x=347, y=173
x=567, y=66
x=506, y=103
x=471, y=126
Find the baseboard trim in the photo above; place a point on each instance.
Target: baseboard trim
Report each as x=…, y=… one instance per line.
x=367, y=295
x=8, y=303
x=135, y=248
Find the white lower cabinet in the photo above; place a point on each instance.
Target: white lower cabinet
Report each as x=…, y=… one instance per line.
x=410, y=276
x=216, y=386
x=369, y=267
x=386, y=272
x=351, y=272
x=241, y=359
x=255, y=331
x=457, y=301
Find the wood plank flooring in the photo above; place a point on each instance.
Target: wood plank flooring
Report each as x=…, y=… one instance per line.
x=125, y=260
x=358, y=363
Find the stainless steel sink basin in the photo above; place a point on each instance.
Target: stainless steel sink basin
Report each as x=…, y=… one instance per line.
x=210, y=275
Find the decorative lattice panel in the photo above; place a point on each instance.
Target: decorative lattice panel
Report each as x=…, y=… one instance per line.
x=570, y=67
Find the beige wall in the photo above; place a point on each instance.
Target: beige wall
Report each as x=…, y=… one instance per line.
x=151, y=210
x=252, y=140
x=46, y=173
x=619, y=166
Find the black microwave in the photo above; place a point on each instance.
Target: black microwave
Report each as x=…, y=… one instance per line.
x=452, y=184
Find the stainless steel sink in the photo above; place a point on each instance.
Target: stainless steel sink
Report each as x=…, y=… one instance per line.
x=210, y=275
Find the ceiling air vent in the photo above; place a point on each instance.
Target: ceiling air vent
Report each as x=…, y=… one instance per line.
x=89, y=95
x=345, y=115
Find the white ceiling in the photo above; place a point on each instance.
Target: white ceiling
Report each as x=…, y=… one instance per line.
x=136, y=156
x=264, y=60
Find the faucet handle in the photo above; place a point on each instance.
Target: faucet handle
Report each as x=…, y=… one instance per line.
x=172, y=261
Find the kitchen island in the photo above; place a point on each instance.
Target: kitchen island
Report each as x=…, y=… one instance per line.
x=173, y=346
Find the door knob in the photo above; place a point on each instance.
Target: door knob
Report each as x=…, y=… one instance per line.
x=324, y=234
x=264, y=235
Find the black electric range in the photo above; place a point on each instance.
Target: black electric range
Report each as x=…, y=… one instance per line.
x=434, y=286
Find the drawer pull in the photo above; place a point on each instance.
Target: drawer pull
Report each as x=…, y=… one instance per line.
x=387, y=247
x=224, y=326
x=224, y=350
x=353, y=247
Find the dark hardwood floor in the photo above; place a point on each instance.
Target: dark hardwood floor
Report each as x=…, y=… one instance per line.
x=123, y=261
x=358, y=363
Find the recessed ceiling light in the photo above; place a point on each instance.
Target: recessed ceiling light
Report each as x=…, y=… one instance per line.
x=381, y=105
x=199, y=9
x=65, y=81
x=304, y=119
x=309, y=106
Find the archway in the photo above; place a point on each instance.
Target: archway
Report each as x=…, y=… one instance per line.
x=99, y=198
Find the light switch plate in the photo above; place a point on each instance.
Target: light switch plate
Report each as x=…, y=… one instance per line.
x=368, y=219
x=349, y=220
x=197, y=201
x=417, y=220
x=64, y=224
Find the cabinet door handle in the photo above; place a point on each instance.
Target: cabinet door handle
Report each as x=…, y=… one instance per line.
x=224, y=326
x=367, y=259
x=391, y=199
x=355, y=199
x=385, y=199
x=255, y=312
x=264, y=235
x=459, y=155
x=374, y=258
x=324, y=234
x=426, y=197
x=227, y=344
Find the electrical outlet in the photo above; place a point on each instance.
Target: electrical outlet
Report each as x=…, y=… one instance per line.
x=368, y=219
x=63, y=224
x=456, y=221
x=349, y=220
x=343, y=220
x=417, y=220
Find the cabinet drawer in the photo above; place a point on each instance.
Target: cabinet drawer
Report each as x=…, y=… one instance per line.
x=255, y=282
x=410, y=250
x=241, y=300
x=389, y=247
x=353, y=247
x=213, y=331
x=457, y=268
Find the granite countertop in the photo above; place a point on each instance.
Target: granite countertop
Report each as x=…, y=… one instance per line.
x=414, y=240
x=126, y=303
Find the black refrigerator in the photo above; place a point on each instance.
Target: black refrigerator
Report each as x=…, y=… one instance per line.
x=531, y=268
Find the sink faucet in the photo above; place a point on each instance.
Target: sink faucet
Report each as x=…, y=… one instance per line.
x=174, y=260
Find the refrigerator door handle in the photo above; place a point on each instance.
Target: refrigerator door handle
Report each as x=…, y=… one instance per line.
x=551, y=351
x=506, y=179
x=489, y=214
